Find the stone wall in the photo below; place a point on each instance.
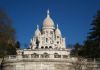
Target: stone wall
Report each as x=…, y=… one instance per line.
x=37, y=64
x=49, y=64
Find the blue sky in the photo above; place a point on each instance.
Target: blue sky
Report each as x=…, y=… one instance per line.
x=73, y=17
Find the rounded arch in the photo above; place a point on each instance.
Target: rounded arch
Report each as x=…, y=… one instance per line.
x=42, y=47
x=56, y=55
x=46, y=47
x=35, y=55
x=50, y=46
x=45, y=55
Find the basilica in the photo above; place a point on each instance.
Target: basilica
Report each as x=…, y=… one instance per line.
x=47, y=50
x=47, y=42
x=49, y=37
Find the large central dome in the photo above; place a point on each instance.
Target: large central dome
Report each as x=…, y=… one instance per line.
x=48, y=22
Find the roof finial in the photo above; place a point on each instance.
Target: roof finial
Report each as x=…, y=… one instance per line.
x=37, y=26
x=57, y=25
x=48, y=13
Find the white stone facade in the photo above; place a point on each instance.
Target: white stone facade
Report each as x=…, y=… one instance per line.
x=49, y=36
x=47, y=42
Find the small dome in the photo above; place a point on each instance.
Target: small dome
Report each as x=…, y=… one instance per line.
x=57, y=31
x=37, y=32
x=48, y=22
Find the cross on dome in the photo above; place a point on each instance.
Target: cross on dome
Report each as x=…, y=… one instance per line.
x=37, y=26
x=48, y=13
x=57, y=25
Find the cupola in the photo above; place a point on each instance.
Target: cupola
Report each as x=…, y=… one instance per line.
x=37, y=32
x=57, y=31
x=48, y=22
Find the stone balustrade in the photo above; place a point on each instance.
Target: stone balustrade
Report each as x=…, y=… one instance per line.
x=13, y=58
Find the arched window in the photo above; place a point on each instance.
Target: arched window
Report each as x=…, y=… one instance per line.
x=35, y=55
x=50, y=46
x=57, y=42
x=57, y=36
x=45, y=55
x=56, y=55
x=37, y=42
x=46, y=47
x=42, y=47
